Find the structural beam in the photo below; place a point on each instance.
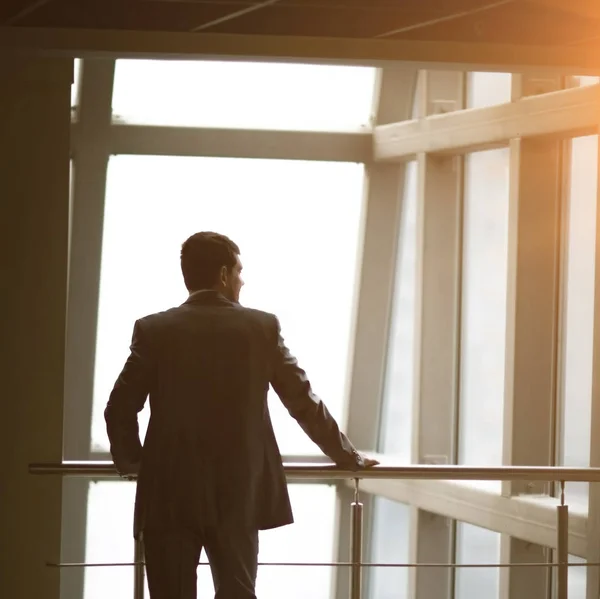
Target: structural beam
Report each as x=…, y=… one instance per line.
x=566, y=113
x=87, y=217
x=593, y=555
x=436, y=327
x=238, y=143
x=384, y=183
x=531, y=335
x=441, y=55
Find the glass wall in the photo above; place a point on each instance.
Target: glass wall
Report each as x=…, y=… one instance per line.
x=297, y=225
x=577, y=578
x=109, y=539
x=486, y=89
x=396, y=413
x=389, y=545
x=301, y=226
x=76, y=85
x=476, y=545
x=483, y=310
x=579, y=263
x=243, y=95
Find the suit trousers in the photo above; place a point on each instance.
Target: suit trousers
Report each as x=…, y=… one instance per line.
x=172, y=558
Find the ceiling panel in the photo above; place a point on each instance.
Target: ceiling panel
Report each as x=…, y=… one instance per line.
x=478, y=21
x=129, y=14
x=321, y=21
x=521, y=24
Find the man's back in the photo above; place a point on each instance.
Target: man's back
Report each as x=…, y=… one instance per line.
x=210, y=454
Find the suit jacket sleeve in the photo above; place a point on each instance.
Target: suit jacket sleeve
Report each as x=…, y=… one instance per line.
x=293, y=388
x=127, y=399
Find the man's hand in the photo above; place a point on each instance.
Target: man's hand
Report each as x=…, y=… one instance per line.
x=368, y=462
x=128, y=471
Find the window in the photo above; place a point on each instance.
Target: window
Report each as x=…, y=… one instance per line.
x=578, y=311
x=577, y=578
x=76, y=85
x=395, y=434
x=483, y=313
x=109, y=539
x=390, y=545
x=310, y=539
x=487, y=89
x=297, y=225
x=243, y=94
x=476, y=545
x=584, y=80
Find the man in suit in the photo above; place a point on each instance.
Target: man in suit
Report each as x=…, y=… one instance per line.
x=209, y=472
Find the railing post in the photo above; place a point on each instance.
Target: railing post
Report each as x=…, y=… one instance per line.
x=562, y=545
x=138, y=570
x=356, y=545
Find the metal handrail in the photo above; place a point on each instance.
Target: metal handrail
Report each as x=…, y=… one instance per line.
x=320, y=471
x=345, y=565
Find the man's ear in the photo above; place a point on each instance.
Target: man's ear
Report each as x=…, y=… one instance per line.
x=223, y=275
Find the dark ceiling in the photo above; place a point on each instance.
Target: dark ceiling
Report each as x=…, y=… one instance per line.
x=539, y=22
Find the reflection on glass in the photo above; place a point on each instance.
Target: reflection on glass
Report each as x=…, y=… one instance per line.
x=390, y=545
x=243, y=94
x=578, y=311
x=109, y=539
x=395, y=428
x=297, y=224
x=76, y=83
x=488, y=89
x=476, y=545
x=483, y=319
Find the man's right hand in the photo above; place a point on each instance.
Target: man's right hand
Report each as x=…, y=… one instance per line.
x=369, y=462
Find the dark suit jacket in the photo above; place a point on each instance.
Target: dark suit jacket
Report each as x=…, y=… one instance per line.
x=210, y=457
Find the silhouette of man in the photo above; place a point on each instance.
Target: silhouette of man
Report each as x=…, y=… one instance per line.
x=210, y=474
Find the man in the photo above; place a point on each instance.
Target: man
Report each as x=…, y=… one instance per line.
x=210, y=473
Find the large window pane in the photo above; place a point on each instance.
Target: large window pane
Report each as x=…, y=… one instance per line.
x=109, y=539
x=310, y=539
x=395, y=430
x=578, y=311
x=483, y=318
x=487, y=89
x=476, y=545
x=76, y=85
x=577, y=578
x=243, y=94
x=390, y=545
x=297, y=225
x=584, y=80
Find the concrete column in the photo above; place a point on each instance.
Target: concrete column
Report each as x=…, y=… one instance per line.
x=34, y=191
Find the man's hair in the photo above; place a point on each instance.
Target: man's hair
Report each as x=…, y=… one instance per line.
x=202, y=257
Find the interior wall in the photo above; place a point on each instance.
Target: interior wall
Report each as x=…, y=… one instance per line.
x=34, y=191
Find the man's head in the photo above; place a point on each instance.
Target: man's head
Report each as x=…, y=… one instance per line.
x=212, y=261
